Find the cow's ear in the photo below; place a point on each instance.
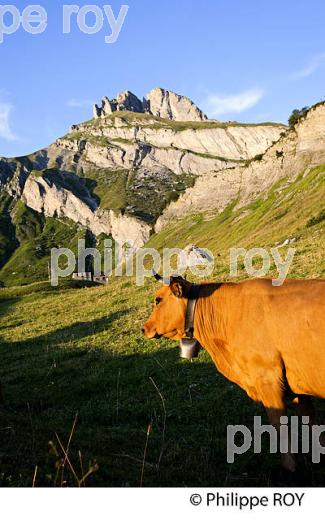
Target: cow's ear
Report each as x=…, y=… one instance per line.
x=178, y=287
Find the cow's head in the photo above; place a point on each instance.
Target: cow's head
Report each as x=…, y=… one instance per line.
x=168, y=316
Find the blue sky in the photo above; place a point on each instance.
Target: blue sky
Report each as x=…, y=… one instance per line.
x=245, y=60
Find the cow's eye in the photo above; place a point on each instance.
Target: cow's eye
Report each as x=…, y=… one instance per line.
x=158, y=300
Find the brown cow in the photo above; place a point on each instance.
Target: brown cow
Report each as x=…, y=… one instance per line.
x=269, y=340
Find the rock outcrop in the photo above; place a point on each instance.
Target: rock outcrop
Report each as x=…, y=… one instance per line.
x=124, y=101
x=168, y=105
x=159, y=102
x=54, y=200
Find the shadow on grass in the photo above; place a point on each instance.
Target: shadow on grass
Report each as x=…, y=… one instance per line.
x=6, y=304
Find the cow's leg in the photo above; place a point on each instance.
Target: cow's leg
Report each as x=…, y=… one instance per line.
x=273, y=398
x=305, y=408
x=287, y=459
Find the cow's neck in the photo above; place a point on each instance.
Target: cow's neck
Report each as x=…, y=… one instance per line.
x=210, y=325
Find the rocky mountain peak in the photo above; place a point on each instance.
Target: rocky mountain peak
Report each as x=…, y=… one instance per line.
x=169, y=105
x=159, y=102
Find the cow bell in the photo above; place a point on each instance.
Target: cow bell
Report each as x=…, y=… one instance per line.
x=189, y=348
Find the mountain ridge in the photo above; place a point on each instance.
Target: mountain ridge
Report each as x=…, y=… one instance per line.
x=129, y=174
x=155, y=156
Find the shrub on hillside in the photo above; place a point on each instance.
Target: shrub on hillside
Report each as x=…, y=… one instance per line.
x=296, y=115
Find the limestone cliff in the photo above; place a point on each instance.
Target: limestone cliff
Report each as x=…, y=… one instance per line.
x=296, y=152
x=54, y=199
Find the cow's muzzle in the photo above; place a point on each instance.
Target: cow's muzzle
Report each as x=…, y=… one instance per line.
x=150, y=334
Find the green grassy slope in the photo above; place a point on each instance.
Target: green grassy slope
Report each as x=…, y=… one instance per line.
x=8, y=241
x=292, y=211
x=73, y=350
x=27, y=241
x=126, y=192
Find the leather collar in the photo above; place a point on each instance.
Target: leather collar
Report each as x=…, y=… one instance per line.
x=190, y=310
